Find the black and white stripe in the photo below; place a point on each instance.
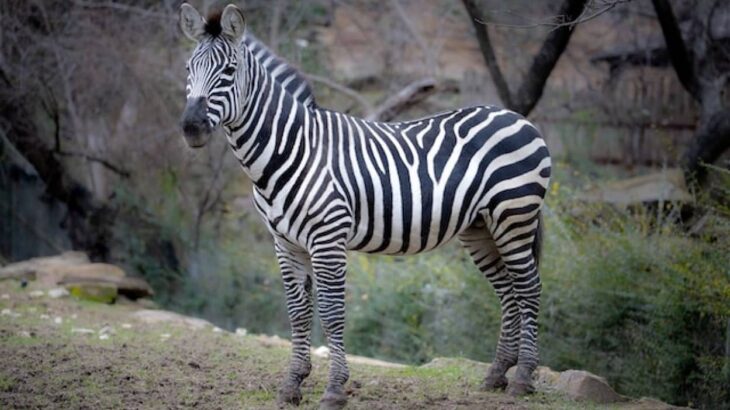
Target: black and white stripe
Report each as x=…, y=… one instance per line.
x=326, y=183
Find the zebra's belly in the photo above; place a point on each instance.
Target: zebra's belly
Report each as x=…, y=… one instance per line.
x=407, y=226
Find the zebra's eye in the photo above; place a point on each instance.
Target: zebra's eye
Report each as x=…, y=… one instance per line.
x=229, y=70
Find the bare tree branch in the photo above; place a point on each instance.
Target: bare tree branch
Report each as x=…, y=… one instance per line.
x=490, y=59
x=593, y=9
x=409, y=96
x=366, y=106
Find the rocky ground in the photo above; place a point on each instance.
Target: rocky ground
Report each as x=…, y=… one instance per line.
x=59, y=351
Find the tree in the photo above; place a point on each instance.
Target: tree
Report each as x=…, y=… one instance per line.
x=704, y=71
x=529, y=92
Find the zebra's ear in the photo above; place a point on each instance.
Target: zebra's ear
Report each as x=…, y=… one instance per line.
x=191, y=22
x=233, y=23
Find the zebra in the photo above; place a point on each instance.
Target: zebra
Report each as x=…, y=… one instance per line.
x=326, y=183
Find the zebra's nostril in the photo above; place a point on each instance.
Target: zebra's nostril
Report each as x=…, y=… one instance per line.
x=194, y=119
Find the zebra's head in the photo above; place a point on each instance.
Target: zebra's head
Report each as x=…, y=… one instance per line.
x=212, y=69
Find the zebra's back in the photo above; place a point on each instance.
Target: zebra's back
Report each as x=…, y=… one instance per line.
x=414, y=185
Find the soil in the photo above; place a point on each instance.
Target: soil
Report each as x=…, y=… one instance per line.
x=100, y=356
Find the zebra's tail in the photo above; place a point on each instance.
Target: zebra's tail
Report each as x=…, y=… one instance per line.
x=537, y=243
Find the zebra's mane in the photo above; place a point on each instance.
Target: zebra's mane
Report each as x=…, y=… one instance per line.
x=213, y=23
x=297, y=85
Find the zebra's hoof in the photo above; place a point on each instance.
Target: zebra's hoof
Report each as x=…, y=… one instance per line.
x=492, y=383
x=289, y=393
x=333, y=400
x=518, y=388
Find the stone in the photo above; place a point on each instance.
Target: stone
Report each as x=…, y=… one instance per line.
x=29, y=269
x=582, y=385
x=241, y=331
x=132, y=288
x=273, y=341
x=82, y=272
x=93, y=291
x=72, y=267
x=322, y=351
x=82, y=331
x=36, y=293
x=666, y=185
x=57, y=293
x=162, y=316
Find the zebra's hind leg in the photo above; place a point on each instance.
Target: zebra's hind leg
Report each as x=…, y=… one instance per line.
x=517, y=238
x=479, y=243
x=295, y=271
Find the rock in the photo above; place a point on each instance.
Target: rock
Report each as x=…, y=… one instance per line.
x=106, y=330
x=126, y=326
x=373, y=362
x=163, y=316
x=56, y=293
x=72, y=267
x=241, y=331
x=36, y=294
x=132, y=288
x=58, y=320
x=83, y=331
x=59, y=275
x=322, y=351
x=28, y=269
x=273, y=341
x=582, y=385
x=667, y=185
x=94, y=291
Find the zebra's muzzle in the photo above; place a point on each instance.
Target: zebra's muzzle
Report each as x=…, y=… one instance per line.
x=195, y=124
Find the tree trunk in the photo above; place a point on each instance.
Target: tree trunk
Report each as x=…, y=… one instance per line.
x=711, y=140
x=530, y=91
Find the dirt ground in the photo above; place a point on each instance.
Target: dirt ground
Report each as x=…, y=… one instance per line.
x=69, y=354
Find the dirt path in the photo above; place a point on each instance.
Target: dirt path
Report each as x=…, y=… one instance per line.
x=62, y=353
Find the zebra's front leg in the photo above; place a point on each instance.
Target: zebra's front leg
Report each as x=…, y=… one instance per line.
x=329, y=272
x=296, y=273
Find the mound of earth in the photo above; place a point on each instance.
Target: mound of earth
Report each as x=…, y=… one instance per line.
x=57, y=351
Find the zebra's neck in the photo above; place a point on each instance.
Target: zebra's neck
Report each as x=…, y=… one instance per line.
x=271, y=128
